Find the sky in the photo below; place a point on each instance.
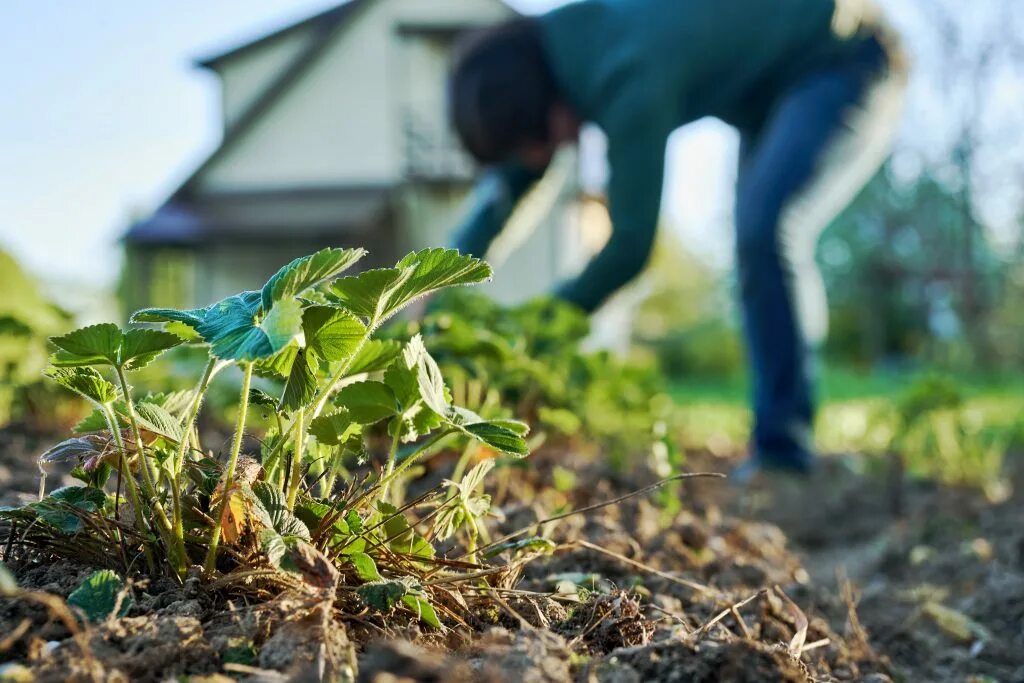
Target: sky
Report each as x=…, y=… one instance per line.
x=103, y=114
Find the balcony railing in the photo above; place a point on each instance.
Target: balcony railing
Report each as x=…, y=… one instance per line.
x=432, y=152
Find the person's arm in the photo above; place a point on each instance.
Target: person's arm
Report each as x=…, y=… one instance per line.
x=494, y=197
x=634, y=201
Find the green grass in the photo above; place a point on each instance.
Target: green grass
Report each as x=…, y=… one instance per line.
x=858, y=412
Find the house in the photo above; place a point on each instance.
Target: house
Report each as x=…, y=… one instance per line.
x=335, y=134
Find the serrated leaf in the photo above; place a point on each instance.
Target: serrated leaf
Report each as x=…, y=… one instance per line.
x=335, y=428
x=430, y=381
x=155, y=418
x=192, y=318
x=475, y=477
x=97, y=595
x=92, y=345
x=375, y=355
x=277, y=366
x=300, y=387
x=274, y=502
x=54, y=508
x=306, y=272
x=258, y=397
x=85, y=382
x=141, y=347
x=365, y=567
x=380, y=294
x=106, y=344
x=273, y=545
x=332, y=333
x=368, y=402
x=234, y=331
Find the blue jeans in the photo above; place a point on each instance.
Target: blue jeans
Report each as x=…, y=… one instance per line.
x=785, y=197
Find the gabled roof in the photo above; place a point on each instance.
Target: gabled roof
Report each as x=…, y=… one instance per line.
x=325, y=20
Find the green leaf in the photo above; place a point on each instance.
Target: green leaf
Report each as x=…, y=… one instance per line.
x=190, y=318
x=368, y=402
x=273, y=501
x=422, y=609
x=258, y=397
x=400, y=536
x=92, y=345
x=498, y=437
x=272, y=545
x=156, y=419
x=306, y=272
x=234, y=331
x=380, y=294
x=141, y=347
x=332, y=333
x=366, y=568
x=300, y=388
x=97, y=595
x=54, y=509
x=368, y=294
x=383, y=595
x=86, y=382
x=278, y=366
x=375, y=355
x=106, y=344
x=335, y=428
x=8, y=586
x=475, y=477
x=431, y=383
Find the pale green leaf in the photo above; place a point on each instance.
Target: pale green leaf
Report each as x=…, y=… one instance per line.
x=157, y=419
x=375, y=355
x=306, y=272
x=365, y=567
x=300, y=387
x=422, y=609
x=431, y=383
x=475, y=477
x=85, y=382
x=335, y=428
x=332, y=333
x=278, y=366
x=368, y=293
x=368, y=402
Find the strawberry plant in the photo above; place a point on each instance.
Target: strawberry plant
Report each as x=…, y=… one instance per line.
x=152, y=491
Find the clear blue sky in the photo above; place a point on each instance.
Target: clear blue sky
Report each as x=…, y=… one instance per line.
x=102, y=114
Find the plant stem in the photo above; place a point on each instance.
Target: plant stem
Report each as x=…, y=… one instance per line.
x=229, y=471
x=386, y=480
x=179, y=459
x=163, y=523
x=130, y=485
x=295, y=474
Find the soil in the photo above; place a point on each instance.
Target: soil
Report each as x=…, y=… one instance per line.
x=783, y=580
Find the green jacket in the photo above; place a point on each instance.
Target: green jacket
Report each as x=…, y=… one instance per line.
x=639, y=69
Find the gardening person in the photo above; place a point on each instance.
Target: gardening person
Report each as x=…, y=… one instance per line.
x=814, y=88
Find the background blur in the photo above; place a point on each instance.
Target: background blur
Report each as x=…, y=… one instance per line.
x=166, y=153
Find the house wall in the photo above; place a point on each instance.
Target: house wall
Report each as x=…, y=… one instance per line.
x=245, y=77
x=341, y=123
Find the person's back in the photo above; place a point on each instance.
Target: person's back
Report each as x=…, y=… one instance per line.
x=814, y=88
x=721, y=58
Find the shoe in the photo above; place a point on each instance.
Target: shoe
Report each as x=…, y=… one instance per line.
x=756, y=465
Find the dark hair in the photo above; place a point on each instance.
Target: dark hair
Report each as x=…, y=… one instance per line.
x=501, y=90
